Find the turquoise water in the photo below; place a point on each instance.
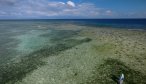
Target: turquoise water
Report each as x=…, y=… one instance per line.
x=24, y=44
x=21, y=38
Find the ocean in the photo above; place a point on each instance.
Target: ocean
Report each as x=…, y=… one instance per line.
x=25, y=43
x=116, y=23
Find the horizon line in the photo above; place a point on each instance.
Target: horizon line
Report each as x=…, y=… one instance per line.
x=67, y=18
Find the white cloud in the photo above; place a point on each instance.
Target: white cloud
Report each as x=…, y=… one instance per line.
x=45, y=8
x=108, y=12
x=71, y=4
x=56, y=4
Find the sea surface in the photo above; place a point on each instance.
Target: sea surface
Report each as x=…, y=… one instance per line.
x=12, y=32
x=21, y=39
x=116, y=23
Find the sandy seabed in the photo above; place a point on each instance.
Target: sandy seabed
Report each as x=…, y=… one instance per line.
x=78, y=55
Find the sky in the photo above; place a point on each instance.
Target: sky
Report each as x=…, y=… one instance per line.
x=72, y=9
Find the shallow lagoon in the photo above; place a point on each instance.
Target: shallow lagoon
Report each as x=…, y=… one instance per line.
x=49, y=52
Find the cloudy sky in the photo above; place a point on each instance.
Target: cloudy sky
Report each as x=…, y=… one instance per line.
x=72, y=9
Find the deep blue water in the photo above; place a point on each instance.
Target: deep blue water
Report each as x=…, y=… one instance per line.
x=114, y=23
x=122, y=23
